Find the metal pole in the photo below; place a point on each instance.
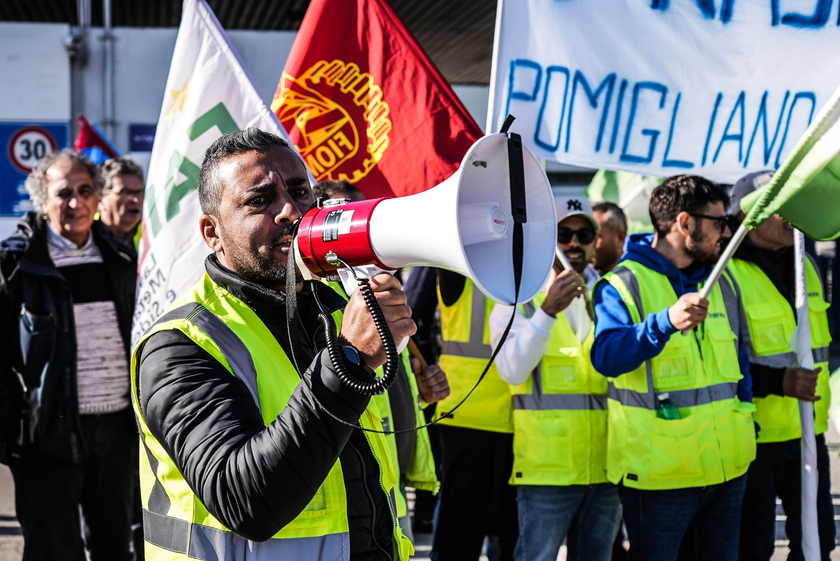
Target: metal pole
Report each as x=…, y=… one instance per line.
x=801, y=344
x=108, y=122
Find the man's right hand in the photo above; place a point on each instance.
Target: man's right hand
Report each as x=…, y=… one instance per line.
x=567, y=286
x=689, y=311
x=801, y=383
x=358, y=329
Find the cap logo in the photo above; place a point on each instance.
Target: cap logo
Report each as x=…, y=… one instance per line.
x=574, y=204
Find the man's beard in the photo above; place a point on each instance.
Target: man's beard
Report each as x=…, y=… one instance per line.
x=261, y=269
x=580, y=266
x=704, y=257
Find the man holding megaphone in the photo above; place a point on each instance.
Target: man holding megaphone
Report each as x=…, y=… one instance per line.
x=249, y=434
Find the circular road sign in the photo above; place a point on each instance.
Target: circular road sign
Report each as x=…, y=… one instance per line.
x=28, y=145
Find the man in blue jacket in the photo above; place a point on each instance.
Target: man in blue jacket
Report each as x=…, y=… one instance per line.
x=689, y=470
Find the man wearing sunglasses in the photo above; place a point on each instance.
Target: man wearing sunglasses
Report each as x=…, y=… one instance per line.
x=559, y=407
x=681, y=432
x=764, y=263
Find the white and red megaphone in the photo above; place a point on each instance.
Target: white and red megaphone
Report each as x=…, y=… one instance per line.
x=464, y=224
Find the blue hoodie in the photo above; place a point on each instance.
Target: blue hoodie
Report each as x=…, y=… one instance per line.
x=638, y=342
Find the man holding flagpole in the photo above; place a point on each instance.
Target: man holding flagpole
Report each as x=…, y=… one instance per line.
x=681, y=432
x=765, y=263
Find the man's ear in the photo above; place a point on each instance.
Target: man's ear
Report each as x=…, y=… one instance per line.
x=681, y=224
x=209, y=226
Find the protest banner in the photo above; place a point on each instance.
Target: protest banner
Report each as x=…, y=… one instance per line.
x=717, y=88
x=208, y=93
x=364, y=103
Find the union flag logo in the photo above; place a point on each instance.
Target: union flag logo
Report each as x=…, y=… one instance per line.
x=342, y=123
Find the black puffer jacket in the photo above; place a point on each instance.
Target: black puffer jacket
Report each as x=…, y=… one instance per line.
x=39, y=411
x=256, y=479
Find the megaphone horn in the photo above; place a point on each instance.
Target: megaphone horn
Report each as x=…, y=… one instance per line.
x=464, y=225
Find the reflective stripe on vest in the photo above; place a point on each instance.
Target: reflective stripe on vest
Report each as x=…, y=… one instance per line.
x=232, y=334
x=770, y=323
x=475, y=347
x=714, y=440
x=207, y=543
x=537, y=400
x=213, y=544
x=560, y=413
x=680, y=398
x=464, y=356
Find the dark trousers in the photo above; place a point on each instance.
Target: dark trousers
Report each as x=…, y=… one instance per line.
x=475, y=498
x=48, y=496
x=657, y=521
x=776, y=471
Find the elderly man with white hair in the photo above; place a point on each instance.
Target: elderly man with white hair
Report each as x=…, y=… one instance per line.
x=66, y=427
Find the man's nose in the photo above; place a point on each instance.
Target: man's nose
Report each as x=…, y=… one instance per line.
x=289, y=212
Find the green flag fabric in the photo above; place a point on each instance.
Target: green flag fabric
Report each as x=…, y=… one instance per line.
x=805, y=190
x=630, y=191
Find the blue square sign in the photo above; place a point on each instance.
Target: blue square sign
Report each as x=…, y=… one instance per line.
x=23, y=144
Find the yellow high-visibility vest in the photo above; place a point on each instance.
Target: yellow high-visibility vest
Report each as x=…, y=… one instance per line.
x=768, y=323
x=560, y=413
x=466, y=351
x=714, y=441
x=176, y=524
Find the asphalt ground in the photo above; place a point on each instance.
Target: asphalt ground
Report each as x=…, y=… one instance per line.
x=11, y=541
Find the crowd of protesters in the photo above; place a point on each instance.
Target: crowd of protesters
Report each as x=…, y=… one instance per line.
x=598, y=424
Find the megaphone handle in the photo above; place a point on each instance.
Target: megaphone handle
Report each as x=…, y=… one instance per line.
x=348, y=281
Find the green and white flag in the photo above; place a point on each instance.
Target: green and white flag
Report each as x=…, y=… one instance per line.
x=208, y=93
x=631, y=191
x=805, y=190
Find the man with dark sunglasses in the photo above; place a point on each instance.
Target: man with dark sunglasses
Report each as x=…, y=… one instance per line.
x=559, y=407
x=681, y=432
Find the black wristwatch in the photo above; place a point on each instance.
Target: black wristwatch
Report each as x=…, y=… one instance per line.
x=352, y=355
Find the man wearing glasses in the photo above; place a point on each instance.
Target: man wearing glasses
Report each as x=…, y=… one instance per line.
x=121, y=206
x=559, y=407
x=681, y=431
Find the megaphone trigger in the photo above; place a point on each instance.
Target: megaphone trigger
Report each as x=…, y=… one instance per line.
x=350, y=281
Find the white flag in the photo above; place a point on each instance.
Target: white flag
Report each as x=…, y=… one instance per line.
x=208, y=93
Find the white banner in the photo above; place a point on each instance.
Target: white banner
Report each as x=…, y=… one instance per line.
x=717, y=88
x=208, y=93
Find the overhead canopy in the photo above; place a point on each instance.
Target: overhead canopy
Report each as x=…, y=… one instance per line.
x=458, y=36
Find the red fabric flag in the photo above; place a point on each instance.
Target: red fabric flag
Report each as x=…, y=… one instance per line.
x=363, y=102
x=93, y=143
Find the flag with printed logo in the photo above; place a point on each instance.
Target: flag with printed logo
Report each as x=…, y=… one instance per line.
x=208, y=93
x=364, y=103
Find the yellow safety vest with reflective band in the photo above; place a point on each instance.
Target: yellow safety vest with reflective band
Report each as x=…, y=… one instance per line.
x=714, y=441
x=176, y=524
x=560, y=413
x=768, y=323
x=421, y=474
x=466, y=351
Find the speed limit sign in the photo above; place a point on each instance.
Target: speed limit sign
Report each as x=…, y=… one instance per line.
x=28, y=145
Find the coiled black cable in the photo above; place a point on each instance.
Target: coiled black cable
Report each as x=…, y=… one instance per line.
x=337, y=356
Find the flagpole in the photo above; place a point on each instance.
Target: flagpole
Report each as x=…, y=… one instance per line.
x=568, y=266
x=801, y=344
x=490, y=125
x=727, y=254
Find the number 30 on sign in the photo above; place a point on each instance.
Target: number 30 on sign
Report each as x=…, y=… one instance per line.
x=28, y=145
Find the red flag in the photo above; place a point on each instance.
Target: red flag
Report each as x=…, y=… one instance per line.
x=363, y=102
x=93, y=143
